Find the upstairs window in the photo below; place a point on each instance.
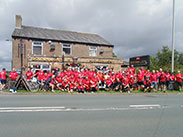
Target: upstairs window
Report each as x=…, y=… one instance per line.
x=93, y=51
x=67, y=48
x=37, y=48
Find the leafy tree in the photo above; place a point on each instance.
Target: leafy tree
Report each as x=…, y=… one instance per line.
x=163, y=60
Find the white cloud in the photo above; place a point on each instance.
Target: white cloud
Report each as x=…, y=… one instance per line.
x=135, y=27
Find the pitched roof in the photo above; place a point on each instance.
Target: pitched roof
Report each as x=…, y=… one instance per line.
x=59, y=35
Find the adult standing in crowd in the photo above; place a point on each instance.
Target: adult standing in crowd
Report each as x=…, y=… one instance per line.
x=13, y=75
x=29, y=74
x=178, y=78
x=3, y=77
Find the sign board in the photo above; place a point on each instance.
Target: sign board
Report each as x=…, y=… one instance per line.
x=140, y=61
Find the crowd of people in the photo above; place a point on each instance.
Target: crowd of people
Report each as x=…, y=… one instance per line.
x=92, y=80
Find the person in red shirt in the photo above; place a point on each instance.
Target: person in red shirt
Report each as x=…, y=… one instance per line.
x=3, y=76
x=65, y=85
x=108, y=83
x=52, y=83
x=125, y=83
x=178, y=78
x=147, y=85
x=50, y=74
x=29, y=74
x=131, y=80
x=72, y=86
x=167, y=79
x=143, y=71
x=13, y=75
x=154, y=79
x=162, y=79
x=59, y=81
x=148, y=74
x=140, y=79
x=80, y=87
x=172, y=77
x=132, y=69
x=94, y=83
x=40, y=76
x=86, y=82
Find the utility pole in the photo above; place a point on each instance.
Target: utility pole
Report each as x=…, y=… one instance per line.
x=21, y=56
x=173, y=35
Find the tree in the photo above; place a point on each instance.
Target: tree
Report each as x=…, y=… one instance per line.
x=163, y=60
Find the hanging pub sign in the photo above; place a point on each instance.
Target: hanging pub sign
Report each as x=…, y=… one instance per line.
x=140, y=61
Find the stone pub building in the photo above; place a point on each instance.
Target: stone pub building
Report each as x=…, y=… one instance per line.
x=44, y=48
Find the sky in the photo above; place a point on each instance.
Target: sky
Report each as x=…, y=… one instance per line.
x=134, y=27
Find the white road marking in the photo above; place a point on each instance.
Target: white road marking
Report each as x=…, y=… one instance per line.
x=64, y=109
x=145, y=106
x=10, y=108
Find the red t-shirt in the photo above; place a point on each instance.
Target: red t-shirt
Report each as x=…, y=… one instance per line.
x=140, y=77
x=87, y=84
x=50, y=74
x=179, y=77
x=29, y=74
x=72, y=85
x=64, y=84
x=148, y=74
x=162, y=77
x=40, y=75
x=94, y=81
x=168, y=76
x=81, y=87
x=59, y=79
x=3, y=75
x=108, y=81
x=147, y=82
x=13, y=75
x=132, y=69
x=143, y=71
x=125, y=81
x=172, y=77
x=154, y=77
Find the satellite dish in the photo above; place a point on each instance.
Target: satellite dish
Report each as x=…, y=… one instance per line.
x=101, y=51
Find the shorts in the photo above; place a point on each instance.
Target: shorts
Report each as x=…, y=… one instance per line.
x=154, y=84
x=131, y=85
x=59, y=84
x=162, y=83
x=3, y=81
x=140, y=83
x=179, y=84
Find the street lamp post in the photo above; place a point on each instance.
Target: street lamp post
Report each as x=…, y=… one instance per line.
x=173, y=35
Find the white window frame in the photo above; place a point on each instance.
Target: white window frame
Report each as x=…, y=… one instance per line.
x=37, y=46
x=90, y=48
x=67, y=47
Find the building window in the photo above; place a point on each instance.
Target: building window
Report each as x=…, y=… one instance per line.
x=67, y=48
x=93, y=51
x=37, y=48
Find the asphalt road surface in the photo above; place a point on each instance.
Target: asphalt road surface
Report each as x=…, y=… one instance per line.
x=91, y=115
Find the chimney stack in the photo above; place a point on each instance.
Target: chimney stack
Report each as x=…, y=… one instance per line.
x=18, y=21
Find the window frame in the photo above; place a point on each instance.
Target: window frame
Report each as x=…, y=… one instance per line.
x=90, y=48
x=67, y=47
x=37, y=46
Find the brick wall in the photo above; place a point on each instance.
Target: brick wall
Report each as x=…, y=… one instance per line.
x=79, y=50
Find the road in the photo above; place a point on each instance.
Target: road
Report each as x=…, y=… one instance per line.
x=91, y=115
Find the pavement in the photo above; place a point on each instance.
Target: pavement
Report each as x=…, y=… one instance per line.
x=91, y=115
